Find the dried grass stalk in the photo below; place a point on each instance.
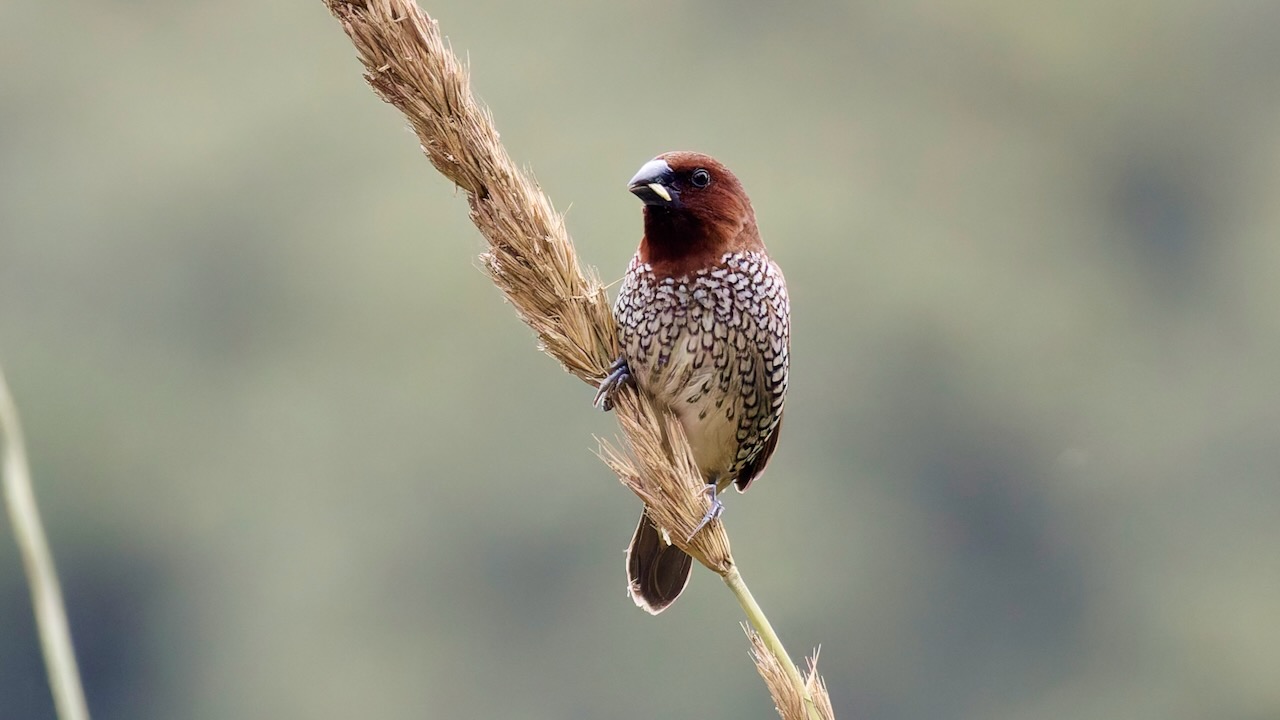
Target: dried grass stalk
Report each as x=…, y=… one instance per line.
x=37, y=562
x=790, y=703
x=532, y=260
x=664, y=475
x=531, y=257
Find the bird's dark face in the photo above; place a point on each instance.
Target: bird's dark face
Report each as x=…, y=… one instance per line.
x=695, y=210
x=691, y=184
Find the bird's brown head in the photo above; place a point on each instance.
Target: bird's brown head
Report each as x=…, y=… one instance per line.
x=695, y=210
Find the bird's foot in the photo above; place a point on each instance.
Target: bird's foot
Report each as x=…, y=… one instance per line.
x=619, y=375
x=713, y=512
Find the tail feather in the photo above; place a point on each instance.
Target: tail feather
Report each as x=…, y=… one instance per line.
x=657, y=571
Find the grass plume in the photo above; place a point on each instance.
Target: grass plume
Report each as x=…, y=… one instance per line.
x=532, y=260
x=794, y=701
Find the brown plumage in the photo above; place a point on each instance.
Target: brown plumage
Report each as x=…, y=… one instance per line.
x=704, y=324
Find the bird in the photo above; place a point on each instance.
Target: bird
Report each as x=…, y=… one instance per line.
x=705, y=330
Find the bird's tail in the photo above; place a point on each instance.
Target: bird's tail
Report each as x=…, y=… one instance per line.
x=657, y=571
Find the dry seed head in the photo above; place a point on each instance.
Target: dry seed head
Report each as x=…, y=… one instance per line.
x=531, y=257
x=787, y=699
x=660, y=470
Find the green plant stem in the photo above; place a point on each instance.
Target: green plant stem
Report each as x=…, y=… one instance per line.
x=46, y=595
x=760, y=622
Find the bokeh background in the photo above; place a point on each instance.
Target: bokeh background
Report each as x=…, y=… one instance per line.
x=298, y=459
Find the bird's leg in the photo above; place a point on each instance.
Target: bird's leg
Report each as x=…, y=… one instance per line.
x=713, y=512
x=619, y=375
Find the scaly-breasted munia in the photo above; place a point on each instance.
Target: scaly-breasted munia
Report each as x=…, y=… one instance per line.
x=704, y=325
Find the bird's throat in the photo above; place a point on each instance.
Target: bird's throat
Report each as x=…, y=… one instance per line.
x=677, y=243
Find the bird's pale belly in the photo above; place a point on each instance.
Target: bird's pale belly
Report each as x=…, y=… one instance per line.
x=708, y=411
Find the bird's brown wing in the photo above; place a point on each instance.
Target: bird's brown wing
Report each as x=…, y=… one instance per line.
x=755, y=466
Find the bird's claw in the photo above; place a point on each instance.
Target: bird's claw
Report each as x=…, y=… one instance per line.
x=619, y=375
x=713, y=512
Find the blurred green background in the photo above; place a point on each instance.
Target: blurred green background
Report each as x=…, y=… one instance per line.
x=298, y=459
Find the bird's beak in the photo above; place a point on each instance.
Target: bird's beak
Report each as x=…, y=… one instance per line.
x=655, y=184
x=659, y=190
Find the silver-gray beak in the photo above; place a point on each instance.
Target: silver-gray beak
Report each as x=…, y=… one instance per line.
x=654, y=183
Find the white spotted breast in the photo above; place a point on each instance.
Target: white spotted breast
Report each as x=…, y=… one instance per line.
x=714, y=346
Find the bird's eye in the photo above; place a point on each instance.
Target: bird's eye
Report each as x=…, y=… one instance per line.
x=700, y=178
